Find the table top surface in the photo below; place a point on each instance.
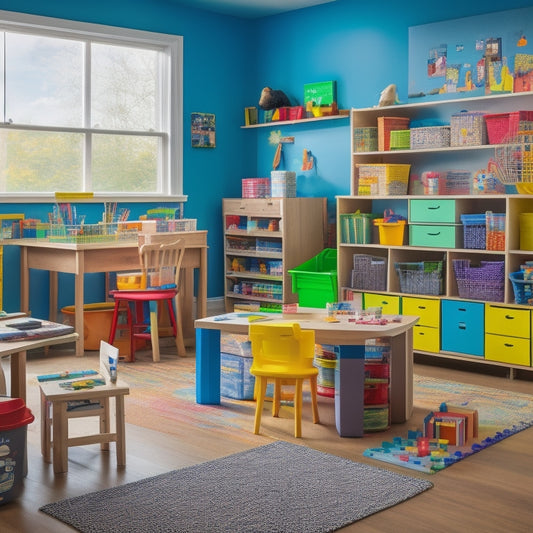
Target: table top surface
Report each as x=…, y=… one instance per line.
x=341, y=332
x=10, y=347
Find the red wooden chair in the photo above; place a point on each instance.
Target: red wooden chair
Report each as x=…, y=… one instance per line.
x=160, y=282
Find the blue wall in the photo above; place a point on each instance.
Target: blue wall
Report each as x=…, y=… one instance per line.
x=227, y=61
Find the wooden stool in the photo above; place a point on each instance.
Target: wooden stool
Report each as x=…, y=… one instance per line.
x=57, y=407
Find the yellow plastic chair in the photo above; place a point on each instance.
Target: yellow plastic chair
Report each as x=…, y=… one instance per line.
x=283, y=352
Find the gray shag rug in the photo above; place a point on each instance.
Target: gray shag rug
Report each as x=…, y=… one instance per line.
x=280, y=487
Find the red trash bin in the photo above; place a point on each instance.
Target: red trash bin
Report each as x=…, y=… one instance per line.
x=14, y=418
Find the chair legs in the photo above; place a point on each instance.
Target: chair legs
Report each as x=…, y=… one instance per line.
x=261, y=386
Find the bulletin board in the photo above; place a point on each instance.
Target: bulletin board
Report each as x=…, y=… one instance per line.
x=473, y=56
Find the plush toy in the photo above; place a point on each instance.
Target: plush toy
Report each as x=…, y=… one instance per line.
x=272, y=99
x=388, y=96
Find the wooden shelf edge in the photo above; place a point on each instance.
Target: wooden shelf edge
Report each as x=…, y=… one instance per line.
x=300, y=121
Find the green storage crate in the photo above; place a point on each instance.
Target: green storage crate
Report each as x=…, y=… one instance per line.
x=315, y=281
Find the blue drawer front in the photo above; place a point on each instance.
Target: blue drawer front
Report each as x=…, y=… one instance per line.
x=462, y=327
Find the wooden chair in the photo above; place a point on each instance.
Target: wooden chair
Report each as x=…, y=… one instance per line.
x=60, y=404
x=160, y=283
x=283, y=352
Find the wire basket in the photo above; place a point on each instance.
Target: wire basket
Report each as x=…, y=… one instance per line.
x=504, y=126
x=422, y=277
x=430, y=137
x=513, y=162
x=468, y=128
x=369, y=273
x=400, y=139
x=365, y=139
x=523, y=288
x=391, y=179
x=486, y=282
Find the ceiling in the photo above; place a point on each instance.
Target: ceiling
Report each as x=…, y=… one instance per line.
x=250, y=8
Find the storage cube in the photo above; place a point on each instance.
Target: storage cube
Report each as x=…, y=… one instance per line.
x=235, y=379
x=463, y=327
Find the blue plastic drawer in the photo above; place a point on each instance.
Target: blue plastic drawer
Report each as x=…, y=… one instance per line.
x=463, y=327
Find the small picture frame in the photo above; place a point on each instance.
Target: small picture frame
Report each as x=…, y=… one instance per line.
x=203, y=130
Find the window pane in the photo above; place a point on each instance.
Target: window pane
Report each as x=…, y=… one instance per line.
x=34, y=161
x=44, y=80
x=125, y=163
x=125, y=88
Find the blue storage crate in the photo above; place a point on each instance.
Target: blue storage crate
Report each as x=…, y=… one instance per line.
x=475, y=231
x=236, y=382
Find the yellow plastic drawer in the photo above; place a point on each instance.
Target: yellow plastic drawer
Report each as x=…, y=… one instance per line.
x=389, y=304
x=507, y=321
x=434, y=210
x=505, y=349
x=426, y=308
x=426, y=339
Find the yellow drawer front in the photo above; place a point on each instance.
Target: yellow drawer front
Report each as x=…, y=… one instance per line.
x=427, y=309
x=511, y=350
x=389, y=304
x=507, y=321
x=426, y=339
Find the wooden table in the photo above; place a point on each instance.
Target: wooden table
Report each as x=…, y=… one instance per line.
x=350, y=339
x=17, y=350
x=79, y=259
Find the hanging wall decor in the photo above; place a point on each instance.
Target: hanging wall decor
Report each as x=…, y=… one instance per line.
x=473, y=56
x=203, y=130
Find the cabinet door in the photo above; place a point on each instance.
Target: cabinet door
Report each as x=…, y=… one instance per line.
x=462, y=328
x=427, y=309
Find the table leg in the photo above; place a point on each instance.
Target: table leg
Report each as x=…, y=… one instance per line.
x=121, y=430
x=208, y=366
x=401, y=377
x=59, y=437
x=350, y=390
x=18, y=375
x=201, y=303
x=78, y=305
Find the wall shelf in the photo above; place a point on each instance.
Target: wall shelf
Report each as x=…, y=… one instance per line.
x=300, y=121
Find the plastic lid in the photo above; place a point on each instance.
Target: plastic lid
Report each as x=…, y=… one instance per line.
x=14, y=414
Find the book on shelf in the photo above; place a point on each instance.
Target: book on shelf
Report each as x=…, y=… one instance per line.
x=250, y=116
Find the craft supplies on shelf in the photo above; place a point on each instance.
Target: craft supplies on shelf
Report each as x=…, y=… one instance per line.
x=455, y=182
x=256, y=188
x=485, y=282
x=495, y=231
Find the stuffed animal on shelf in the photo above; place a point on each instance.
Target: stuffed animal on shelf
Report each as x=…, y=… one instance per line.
x=272, y=99
x=388, y=96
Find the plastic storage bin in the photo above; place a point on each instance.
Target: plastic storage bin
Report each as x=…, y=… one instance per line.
x=390, y=233
x=315, y=281
x=14, y=419
x=485, y=282
x=97, y=319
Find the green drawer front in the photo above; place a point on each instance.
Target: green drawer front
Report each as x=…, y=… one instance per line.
x=434, y=236
x=435, y=210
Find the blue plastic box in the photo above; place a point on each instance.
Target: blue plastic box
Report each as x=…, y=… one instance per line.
x=236, y=382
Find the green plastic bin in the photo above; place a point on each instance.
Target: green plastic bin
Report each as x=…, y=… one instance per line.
x=315, y=281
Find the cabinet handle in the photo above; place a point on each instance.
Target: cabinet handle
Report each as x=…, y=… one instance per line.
x=434, y=234
x=436, y=207
x=507, y=345
x=461, y=325
x=509, y=317
x=461, y=309
x=384, y=302
x=421, y=307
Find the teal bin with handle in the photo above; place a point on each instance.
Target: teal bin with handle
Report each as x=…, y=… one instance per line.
x=315, y=281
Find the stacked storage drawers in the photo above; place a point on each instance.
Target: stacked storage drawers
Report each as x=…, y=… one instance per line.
x=507, y=335
x=426, y=333
x=433, y=223
x=462, y=327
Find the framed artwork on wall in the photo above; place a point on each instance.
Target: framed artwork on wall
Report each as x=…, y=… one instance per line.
x=203, y=130
x=473, y=56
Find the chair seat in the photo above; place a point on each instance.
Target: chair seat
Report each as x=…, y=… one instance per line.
x=145, y=295
x=274, y=372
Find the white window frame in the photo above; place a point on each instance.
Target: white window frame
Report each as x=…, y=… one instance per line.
x=172, y=173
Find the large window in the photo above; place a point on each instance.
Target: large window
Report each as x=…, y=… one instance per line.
x=89, y=108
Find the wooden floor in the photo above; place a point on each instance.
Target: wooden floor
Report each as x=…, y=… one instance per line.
x=489, y=491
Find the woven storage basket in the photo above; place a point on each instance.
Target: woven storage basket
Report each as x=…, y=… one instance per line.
x=455, y=182
x=523, y=289
x=369, y=273
x=475, y=231
x=391, y=179
x=256, y=187
x=468, y=128
x=385, y=126
x=365, y=139
x=430, y=137
x=423, y=277
x=400, y=139
x=502, y=127
x=485, y=282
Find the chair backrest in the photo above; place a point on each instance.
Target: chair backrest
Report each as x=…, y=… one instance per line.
x=161, y=264
x=284, y=345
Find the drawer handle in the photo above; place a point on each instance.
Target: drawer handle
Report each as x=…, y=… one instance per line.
x=385, y=302
x=421, y=307
x=461, y=309
x=462, y=325
x=507, y=345
x=434, y=234
x=435, y=207
x=509, y=317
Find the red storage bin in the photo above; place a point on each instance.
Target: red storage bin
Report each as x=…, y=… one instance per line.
x=502, y=127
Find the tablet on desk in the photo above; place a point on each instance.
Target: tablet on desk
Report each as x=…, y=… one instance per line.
x=25, y=324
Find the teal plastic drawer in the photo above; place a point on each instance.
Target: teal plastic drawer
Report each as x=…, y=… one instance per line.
x=463, y=327
x=433, y=236
x=435, y=210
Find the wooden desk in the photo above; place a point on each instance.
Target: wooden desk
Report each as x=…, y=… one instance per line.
x=117, y=256
x=349, y=337
x=17, y=350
